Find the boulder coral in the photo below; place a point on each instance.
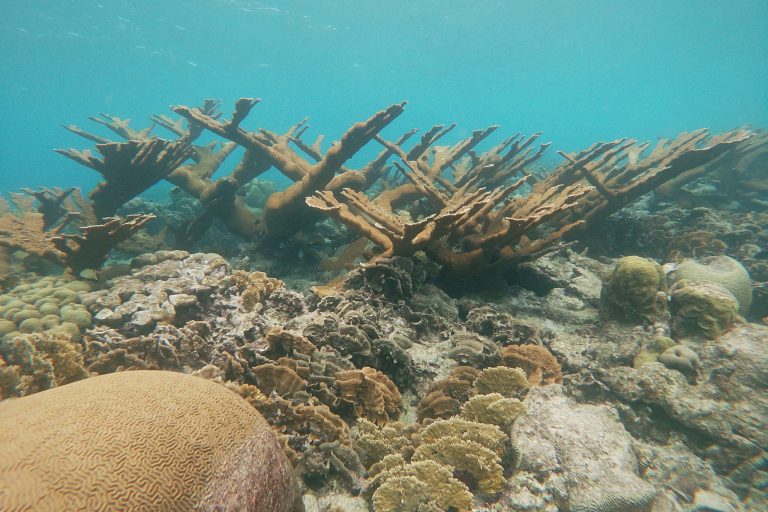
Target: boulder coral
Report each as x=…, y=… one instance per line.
x=722, y=270
x=631, y=290
x=680, y=358
x=701, y=309
x=139, y=441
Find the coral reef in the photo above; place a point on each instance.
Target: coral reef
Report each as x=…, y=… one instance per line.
x=417, y=335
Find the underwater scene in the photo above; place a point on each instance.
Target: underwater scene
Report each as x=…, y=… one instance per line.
x=393, y=256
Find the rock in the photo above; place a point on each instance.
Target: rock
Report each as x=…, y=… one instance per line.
x=680, y=476
x=724, y=416
x=581, y=454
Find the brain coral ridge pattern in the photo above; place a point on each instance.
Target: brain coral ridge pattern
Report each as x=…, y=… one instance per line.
x=128, y=441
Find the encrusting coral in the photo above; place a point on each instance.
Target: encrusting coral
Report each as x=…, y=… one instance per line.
x=136, y=440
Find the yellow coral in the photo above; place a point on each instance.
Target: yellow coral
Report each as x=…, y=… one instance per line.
x=255, y=287
x=372, y=394
x=493, y=408
x=503, y=380
x=401, y=494
x=467, y=458
x=536, y=361
x=373, y=443
x=442, y=490
x=489, y=436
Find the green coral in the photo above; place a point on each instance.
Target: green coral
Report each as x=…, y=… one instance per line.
x=680, y=358
x=631, y=291
x=651, y=355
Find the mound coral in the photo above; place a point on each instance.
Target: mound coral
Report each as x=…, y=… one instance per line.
x=722, y=270
x=680, y=358
x=631, y=290
x=701, y=309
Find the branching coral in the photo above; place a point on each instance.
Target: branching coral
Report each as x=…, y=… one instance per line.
x=469, y=222
x=26, y=231
x=89, y=249
x=128, y=168
x=475, y=222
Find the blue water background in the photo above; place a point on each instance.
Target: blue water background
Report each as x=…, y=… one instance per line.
x=581, y=71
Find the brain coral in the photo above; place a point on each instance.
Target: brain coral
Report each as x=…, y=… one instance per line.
x=722, y=270
x=631, y=290
x=138, y=441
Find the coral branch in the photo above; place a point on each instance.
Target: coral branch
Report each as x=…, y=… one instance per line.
x=90, y=249
x=129, y=168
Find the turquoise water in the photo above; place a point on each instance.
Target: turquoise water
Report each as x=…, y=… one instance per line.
x=580, y=71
